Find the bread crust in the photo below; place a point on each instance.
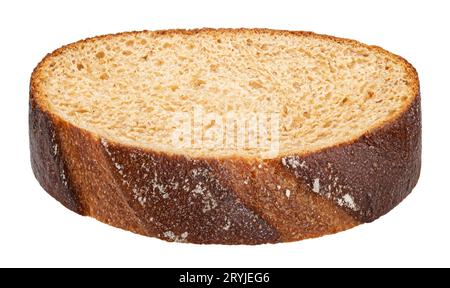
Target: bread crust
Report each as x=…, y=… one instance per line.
x=227, y=200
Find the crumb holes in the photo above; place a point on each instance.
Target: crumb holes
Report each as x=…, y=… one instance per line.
x=100, y=55
x=80, y=66
x=159, y=62
x=344, y=101
x=167, y=45
x=351, y=64
x=255, y=84
x=249, y=42
x=145, y=57
x=173, y=88
x=296, y=86
x=264, y=47
x=218, y=40
x=127, y=53
x=149, y=109
x=104, y=76
x=191, y=46
x=387, y=68
x=327, y=124
x=306, y=114
x=129, y=43
x=210, y=124
x=82, y=110
x=143, y=42
x=391, y=112
x=197, y=83
x=370, y=95
x=213, y=67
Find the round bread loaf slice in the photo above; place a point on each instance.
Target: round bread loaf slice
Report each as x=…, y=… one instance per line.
x=230, y=136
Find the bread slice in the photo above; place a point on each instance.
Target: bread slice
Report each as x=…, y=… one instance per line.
x=232, y=136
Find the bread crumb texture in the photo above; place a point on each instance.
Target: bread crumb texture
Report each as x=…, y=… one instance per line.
x=127, y=87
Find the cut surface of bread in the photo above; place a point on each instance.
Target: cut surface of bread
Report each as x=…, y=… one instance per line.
x=130, y=87
x=230, y=136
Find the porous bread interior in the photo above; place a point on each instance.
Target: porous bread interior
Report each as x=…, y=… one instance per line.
x=128, y=87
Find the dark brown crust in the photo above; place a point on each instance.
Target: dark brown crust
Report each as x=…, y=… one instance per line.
x=378, y=170
x=229, y=200
x=46, y=160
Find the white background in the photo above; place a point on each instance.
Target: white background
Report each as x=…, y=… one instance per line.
x=36, y=231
